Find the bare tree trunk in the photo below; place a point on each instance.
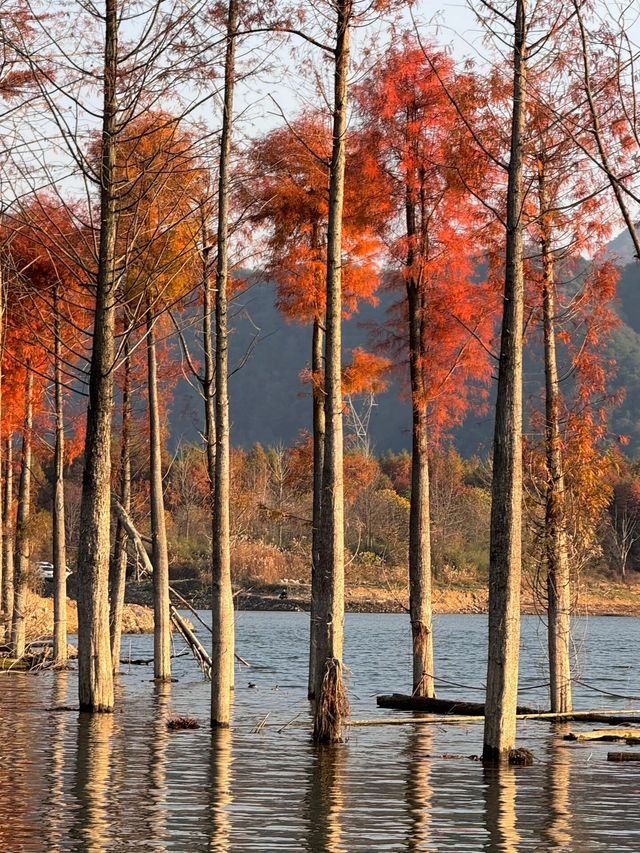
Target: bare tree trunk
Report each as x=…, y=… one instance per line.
x=118, y=579
x=318, y=460
x=419, y=522
x=95, y=675
x=556, y=549
x=161, y=616
x=23, y=542
x=60, y=645
x=8, y=540
x=505, y=553
x=221, y=592
x=331, y=704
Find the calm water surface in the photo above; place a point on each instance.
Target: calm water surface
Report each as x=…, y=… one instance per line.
x=123, y=782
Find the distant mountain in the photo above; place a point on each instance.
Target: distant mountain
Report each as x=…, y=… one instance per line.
x=621, y=247
x=270, y=405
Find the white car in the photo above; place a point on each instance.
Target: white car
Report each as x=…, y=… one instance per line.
x=45, y=570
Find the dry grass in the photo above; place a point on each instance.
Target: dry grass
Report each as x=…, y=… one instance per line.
x=182, y=723
x=260, y=563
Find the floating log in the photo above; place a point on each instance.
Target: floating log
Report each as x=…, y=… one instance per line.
x=629, y=735
x=401, y=702
x=623, y=756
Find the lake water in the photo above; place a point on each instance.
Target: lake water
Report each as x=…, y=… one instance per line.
x=123, y=782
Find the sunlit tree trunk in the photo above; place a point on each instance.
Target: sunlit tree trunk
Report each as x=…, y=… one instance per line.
x=60, y=646
x=318, y=458
x=221, y=591
x=505, y=551
x=419, y=519
x=556, y=548
x=161, y=617
x=95, y=676
x=330, y=696
x=23, y=542
x=8, y=539
x=118, y=579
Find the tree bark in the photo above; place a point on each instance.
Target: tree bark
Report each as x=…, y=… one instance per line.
x=23, y=543
x=161, y=616
x=419, y=521
x=555, y=534
x=95, y=675
x=221, y=592
x=118, y=579
x=330, y=696
x=318, y=461
x=60, y=646
x=505, y=552
x=8, y=540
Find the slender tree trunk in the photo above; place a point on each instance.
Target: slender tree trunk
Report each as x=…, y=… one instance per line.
x=23, y=543
x=95, y=675
x=557, y=555
x=161, y=616
x=8, y=540
x=118, y=579
x=419, y=522
x=331, y=704
x=505, y=552
x=318, y=459
x=60, y=653
x=222, y=595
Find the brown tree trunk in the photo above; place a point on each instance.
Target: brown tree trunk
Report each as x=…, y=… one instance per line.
x=318, y=459
x=60, y=646
x=556, y=550
x=161, y=616
x=330, y=696
x=23, y=542
x=118, y=572
x=8, y=540
x=221, y=592
x=95, y=675
x=419, y=522
x=505, y=552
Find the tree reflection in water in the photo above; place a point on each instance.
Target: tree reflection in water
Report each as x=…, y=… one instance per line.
x=419, y=792
x=220, y=790
x=500, y=810
x=324, y=802
x=92, y=824
x=558, y=790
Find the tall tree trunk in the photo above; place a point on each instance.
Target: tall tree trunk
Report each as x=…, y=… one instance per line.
x=221, y=592
x=556, y=550
x=118, y=571
x=8, y=540
x=505, y=552
x=318, y=460
x=330, y=696
x=419, y=522
x=60, y=646
x=161, y=616
x=95, y=676
x=23, y=542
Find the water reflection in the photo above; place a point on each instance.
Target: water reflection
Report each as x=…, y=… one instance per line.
x=558, y=789
x=324, y=802
x=157, y=767
x=58, y=725
x=500, y=810
x=220, y=790
x=91, y=827
x=419, y=791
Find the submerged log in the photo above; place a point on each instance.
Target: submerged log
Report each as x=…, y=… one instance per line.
x=401, y=702
x=623, y=756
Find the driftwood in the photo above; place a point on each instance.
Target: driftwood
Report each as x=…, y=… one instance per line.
x=199, y=651
x=623, y=756
x=401, y=702
x=629, y=735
